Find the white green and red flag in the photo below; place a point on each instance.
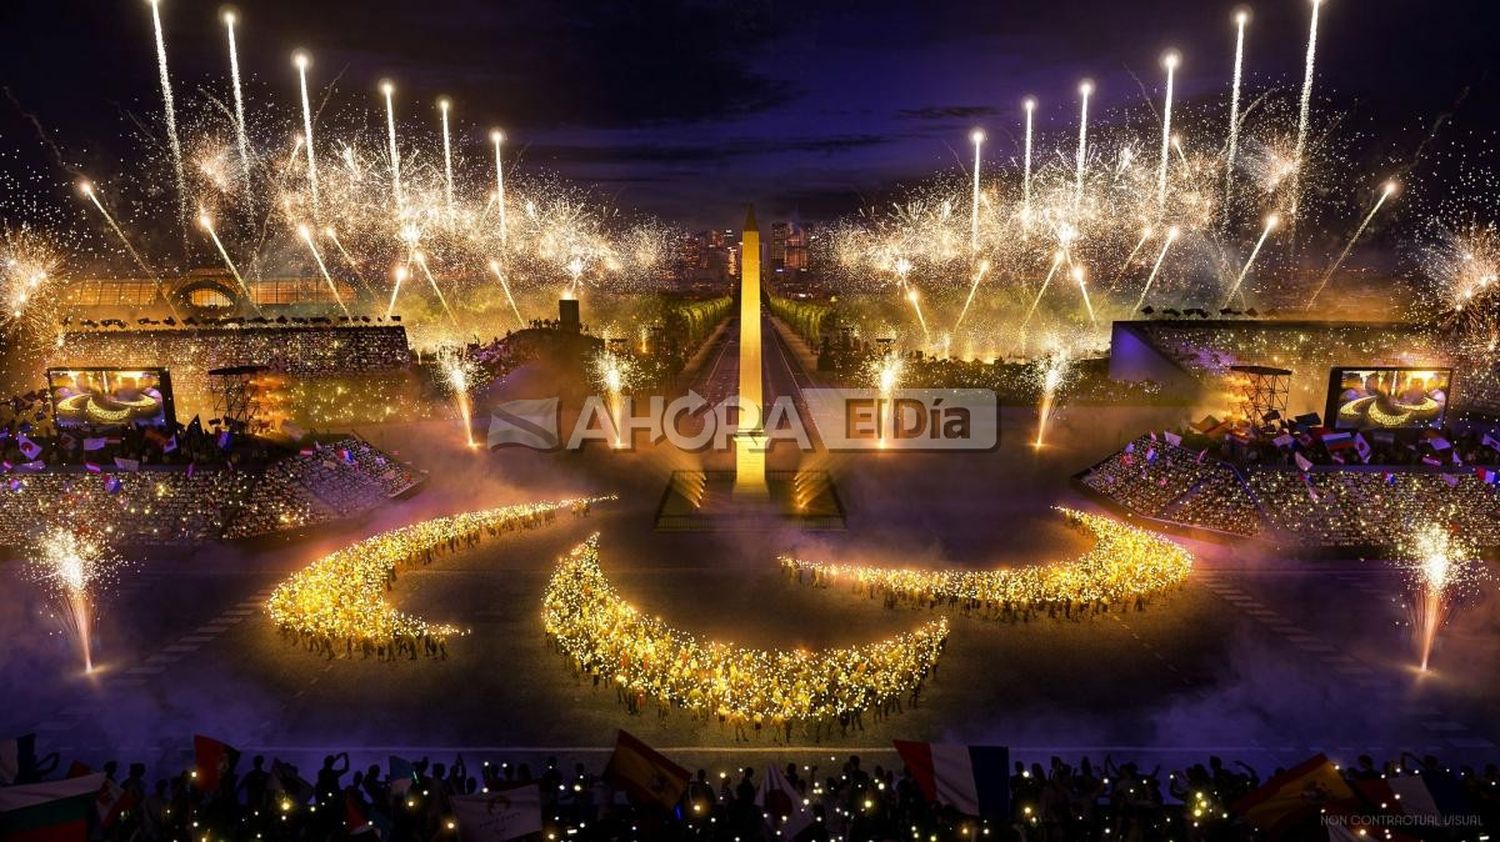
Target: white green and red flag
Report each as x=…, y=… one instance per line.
x=54, y=811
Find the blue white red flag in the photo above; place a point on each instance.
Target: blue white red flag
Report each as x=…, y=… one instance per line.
x=972, y=779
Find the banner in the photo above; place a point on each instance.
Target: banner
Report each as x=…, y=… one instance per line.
x=498, y=815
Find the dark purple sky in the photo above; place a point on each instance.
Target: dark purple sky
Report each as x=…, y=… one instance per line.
x=688, y=108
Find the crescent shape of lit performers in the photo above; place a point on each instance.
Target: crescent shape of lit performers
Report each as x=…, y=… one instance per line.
x=340, y=598
x=603, y=635
x=1126, y=564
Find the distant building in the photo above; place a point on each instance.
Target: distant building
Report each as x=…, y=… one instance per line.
x=787, y=248
x=205, y=291
x=708, y=258
x=776, y=246
x=797, y=247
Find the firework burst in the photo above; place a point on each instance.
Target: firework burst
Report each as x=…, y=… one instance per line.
x=614, y=373
x=75, y=570
x=29, y=267
x=1053, y=371
x=1464, y=263
x=1443, y=570
x=1055, y=231
x=458, y=377
x=303, y=179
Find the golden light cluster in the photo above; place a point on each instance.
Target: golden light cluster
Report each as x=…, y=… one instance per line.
x=1126, y=563
x=341, y=596
x=604, y=635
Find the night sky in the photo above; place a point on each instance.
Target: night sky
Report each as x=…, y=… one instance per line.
x=688, y=109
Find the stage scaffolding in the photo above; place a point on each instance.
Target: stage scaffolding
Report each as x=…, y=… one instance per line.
x=237, y=394
x=1262, y=392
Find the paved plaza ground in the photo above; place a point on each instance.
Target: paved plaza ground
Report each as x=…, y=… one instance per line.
x=1256, y=658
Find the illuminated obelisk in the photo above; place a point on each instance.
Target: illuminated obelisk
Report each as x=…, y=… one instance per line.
x=750, y=439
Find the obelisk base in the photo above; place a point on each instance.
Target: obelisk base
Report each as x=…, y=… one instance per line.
x=706, y=501
x=750, y=466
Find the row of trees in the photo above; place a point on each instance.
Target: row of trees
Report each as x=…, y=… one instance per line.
x=692, y=321
x=810, y=319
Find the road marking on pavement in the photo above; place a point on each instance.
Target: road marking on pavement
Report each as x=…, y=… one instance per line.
x=1360, y=674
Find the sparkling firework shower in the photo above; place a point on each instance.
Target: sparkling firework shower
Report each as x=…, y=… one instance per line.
x=505, y=287
x=497, y=138
x=207, y=225
x=301, y=60
x=977, y=137
x=1172, y=234
x=1088, y=197
x=1271, y=222
x=388, y=90
x=458, y=377
x=443, y=106
x=1084, y=90
x=169, y=110
x=272, y=195
x=886, y=374
x=29, y=270
x=1443, y=570
x=1052, y=372
x=1386, y=191
x=1030, y=107
x=1169, y=61
x=1241, y=18
x=74, y=569
x=306, y=234
x=242, y=137
x=613, y=373
x=1304, y=107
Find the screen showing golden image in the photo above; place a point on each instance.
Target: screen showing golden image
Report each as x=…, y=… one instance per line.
x=1387, y=397
x=110, y=397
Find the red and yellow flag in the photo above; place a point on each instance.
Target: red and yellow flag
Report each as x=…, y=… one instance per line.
x=645, y=773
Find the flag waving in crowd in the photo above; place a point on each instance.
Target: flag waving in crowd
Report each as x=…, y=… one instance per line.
x=499, y=815
x=648, y=775
x=213, y=760
x=972, y=779
x=1290, y=798
x=55, y=811
x=781, y=804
